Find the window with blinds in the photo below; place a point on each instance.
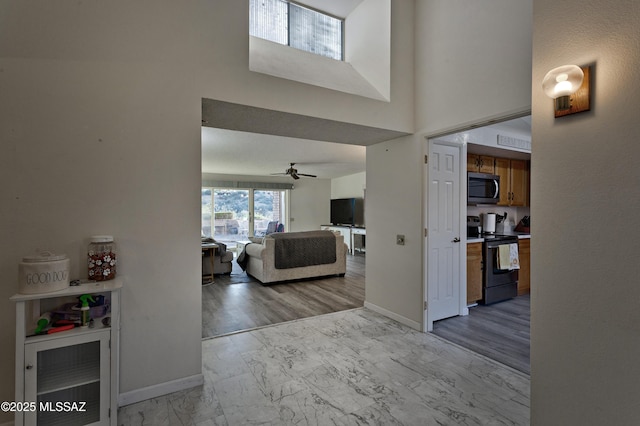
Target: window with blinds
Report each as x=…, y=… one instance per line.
x=294, y=25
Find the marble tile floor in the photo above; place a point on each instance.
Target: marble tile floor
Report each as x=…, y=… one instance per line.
x=352, y=367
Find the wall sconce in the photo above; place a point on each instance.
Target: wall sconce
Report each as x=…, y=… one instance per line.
x=568, y=86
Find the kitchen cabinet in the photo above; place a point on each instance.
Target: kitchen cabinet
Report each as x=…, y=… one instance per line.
x=524, y=275
x=514, y=181
x=480, y=163
x=70, y=377
x=474, y=272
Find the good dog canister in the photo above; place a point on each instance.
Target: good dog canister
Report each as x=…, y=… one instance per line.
x=43, y=272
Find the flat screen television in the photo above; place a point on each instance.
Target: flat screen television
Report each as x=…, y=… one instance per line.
x=347, y=212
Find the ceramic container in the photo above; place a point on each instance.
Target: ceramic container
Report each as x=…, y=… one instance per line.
x=43, y=272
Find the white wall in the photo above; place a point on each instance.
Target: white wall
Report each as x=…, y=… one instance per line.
x=310, y=206
x=394, y=206
x=473, y=61
x=459, y=47
x=368, y=43
x=349, y=186
x=225, y=41
x=100, y=130
x=100, y=119
x=585, y=332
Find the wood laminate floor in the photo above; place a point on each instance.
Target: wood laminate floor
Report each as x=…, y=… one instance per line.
x=500, y=331
x=239, y=302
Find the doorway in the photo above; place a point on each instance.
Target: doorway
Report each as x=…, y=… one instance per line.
x=499, y=331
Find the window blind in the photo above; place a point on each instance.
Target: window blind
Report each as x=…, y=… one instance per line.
x=315, y=32
x=297, y=26
x=245, y=185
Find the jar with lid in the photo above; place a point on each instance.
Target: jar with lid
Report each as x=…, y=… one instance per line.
x=102, y=258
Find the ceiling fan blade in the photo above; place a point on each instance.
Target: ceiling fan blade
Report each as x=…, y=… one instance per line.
x=291, y=171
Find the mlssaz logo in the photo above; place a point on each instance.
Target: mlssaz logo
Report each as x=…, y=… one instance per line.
x=63, y=406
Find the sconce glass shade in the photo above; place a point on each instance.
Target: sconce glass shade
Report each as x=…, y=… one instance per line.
x=569, y=87
x=562, y=81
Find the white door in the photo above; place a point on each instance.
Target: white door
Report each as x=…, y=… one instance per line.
x=443, y=293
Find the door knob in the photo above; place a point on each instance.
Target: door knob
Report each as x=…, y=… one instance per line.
x=456, y=240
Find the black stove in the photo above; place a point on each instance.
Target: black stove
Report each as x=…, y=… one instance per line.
x=498, y=237
x=498, y=284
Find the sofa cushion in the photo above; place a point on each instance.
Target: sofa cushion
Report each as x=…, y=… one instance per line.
x=227, y=256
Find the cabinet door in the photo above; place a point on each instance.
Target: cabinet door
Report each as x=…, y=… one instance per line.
x=480, y=163
x=502, y=169
x=487, y=164
x=519, y=183
x=473, y=162
x=474, y=272
x=69, y=379
x=524, y=275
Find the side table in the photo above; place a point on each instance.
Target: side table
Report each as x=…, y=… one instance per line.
x=211, y=248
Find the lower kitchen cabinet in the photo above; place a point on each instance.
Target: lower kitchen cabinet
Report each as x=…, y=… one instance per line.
x=524, y=275
x=474, y=272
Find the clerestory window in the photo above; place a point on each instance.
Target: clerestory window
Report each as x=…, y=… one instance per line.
x=294, y=25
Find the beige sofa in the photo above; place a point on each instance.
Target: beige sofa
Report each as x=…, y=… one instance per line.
x=261, y=258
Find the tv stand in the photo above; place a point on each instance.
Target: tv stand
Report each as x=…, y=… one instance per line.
x=351, y=234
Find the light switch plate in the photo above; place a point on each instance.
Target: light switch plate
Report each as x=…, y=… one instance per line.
x=400, y=240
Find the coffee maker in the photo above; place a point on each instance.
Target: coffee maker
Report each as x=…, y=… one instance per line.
x=474, y=229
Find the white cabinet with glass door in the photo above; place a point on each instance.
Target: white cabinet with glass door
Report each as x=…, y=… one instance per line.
x=68, y=377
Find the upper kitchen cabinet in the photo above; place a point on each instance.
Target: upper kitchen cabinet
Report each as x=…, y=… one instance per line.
x=480, y=163
x=514, y=181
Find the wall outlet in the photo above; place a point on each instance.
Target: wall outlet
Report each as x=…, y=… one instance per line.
x=400, y=240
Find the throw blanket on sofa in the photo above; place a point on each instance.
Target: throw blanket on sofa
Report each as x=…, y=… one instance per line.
x=295, y=249
x=243, y=259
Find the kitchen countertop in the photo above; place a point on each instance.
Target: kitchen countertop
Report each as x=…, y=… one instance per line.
x=520, y=235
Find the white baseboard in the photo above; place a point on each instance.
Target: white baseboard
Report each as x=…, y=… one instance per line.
x=387, y=313
x=160, y=389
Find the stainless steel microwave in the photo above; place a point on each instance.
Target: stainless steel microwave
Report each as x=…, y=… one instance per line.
x=483, y=188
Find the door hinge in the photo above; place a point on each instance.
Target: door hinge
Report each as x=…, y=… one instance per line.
x=426, y=232
x=425, y=305
x=109, y=412
x=109, y=343
x=426, y=159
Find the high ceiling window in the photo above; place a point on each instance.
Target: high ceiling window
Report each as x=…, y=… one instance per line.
x=294, y=25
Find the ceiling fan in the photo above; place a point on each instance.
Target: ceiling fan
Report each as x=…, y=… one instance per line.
x=293, y=172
